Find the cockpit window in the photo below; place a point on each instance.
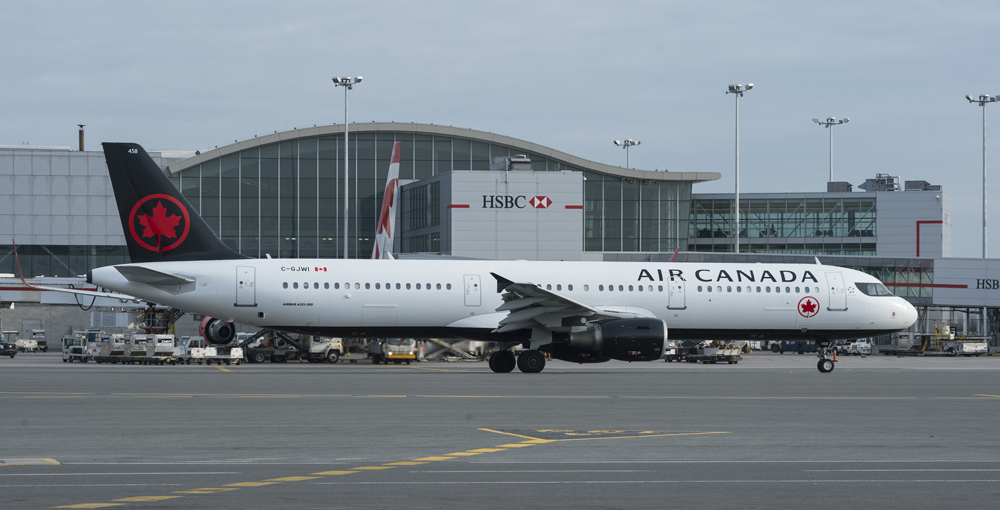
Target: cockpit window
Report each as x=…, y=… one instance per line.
x=873, y=289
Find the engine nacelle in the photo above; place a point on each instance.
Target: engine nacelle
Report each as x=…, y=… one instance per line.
x=217, y=331
x=574, y=354
x=623, y=339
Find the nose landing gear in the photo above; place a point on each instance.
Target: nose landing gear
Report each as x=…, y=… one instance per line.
x=826, y=350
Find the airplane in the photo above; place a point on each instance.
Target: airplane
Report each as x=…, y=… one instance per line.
x=387, y=217
x=583, y=312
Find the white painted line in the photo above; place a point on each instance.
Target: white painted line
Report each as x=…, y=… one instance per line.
x=123, y=474
x=102, y=485
x=695, y=461
x=570, y=482
x=894, y=470
x=548, y=471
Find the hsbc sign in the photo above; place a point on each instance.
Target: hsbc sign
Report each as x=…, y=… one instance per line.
x=515, y=202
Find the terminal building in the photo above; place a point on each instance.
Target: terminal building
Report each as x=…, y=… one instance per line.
x=474, y=194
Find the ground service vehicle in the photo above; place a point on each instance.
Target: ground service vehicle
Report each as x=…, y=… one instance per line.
x=400, y=350
x=38, y=335
x=7, y=348
x=74, y=348
x=325, y=349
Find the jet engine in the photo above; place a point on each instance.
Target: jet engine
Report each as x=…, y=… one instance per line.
x=620, y=339
x=217, y=331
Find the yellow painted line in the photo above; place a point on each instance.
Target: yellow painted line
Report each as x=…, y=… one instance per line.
x=435, y=458
x=146, y=498
x=487, y=450
x=292, y=479
x=34, y=461
x=67, y=396
x=994, y=396
x=223, y=369
x=514, y=445
x=372, y=468
x=250, y=484
x=405, y=463
x=91, y=505
x=465, y=454
x=541, y=441
x=334, y=473
x=634, y=437
x=204, y=490
x=509, y=434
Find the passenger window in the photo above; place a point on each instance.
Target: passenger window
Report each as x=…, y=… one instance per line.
x=377, y=285
x=295, y=285
x=709, y=288
x=305, y=285
x=548, y=287
x=569, y=287
x=558, y=286
x=397, y=286
x=418, y=286
x=796, y=290
x=807, y=290
x=407, y=286
x=368, y=286
x=326, y=285
x=315, y=285
x=699, y=288
x=729, y=288
x=600, y=288
x=788, y=290
x=586, y=287
x=428, y=286
x=739, y=289
x=336, y=285
x=357, y=286
x=768, y=289
x=640, y=288
x=777, y=289
x=448, y=286
x=284, y=285
x=630, y=288
x=660, y=288
x=621, y=288
x=439, y=286
x=758, y=289
x=719, y=288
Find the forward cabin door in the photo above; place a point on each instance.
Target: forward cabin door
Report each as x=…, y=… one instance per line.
x=473, y=296
x=675, y=296
x=837, y=293
x=246, y=293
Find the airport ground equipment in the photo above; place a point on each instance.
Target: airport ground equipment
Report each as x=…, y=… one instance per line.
x=942, y=343
x=400, y=350
x=274, y=346
x=195, y=349
x=38, y=335
x=7, y=348
x=26, y=345
x=324, y=349
x=74, y=348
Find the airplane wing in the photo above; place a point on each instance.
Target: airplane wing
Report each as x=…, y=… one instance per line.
x=531, y=306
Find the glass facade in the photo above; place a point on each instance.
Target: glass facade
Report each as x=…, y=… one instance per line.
x=45, y=260
x=810, y=225
x=286, y=199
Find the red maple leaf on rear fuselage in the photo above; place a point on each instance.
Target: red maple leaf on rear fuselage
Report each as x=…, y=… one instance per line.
x=159, y=224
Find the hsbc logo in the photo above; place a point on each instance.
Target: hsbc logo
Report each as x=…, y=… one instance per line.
x=540, y=202
x=515, y=202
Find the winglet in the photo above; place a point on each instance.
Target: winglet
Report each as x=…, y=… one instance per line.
x=19, y=271
x=502, y=283
x=818, y=263
x=672, y=259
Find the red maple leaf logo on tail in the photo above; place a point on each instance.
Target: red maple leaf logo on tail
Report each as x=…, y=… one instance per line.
x=159, y=224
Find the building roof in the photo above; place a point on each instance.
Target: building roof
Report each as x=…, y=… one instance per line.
x=431, y=129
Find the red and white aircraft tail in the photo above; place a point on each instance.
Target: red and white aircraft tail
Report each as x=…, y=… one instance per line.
x=387, y=218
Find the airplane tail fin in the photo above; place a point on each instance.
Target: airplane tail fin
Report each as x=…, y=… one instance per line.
x=159, y=223
x=387, y=218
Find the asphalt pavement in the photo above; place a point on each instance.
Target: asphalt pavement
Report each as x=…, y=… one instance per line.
x=769, y=432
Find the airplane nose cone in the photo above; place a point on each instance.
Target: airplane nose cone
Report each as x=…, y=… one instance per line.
x=909, y=314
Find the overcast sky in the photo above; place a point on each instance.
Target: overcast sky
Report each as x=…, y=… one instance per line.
x=569, y=75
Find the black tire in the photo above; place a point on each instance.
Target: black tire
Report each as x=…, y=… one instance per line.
x=332, y=356
x=504, y=362
x=227, y=362
x=531, y=361
x=188, y=361
x=489, y=361
x=64, y=359
x=825, y=366
x=408, y=361
x=259, y=357
x=775, y=348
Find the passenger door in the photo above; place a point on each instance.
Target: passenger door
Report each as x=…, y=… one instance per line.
x=837, y=293
x=246, y=294
x=675, y=296
x=473, y=296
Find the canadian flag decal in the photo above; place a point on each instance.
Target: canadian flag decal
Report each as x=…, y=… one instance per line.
x=540, y=202
x=321, y=269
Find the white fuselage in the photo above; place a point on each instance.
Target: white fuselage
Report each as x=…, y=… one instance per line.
x=459, y=298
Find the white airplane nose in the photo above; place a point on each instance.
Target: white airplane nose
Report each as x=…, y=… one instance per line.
x=909, y=313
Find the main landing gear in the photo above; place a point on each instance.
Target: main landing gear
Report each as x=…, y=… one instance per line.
x=529, y=361
x=826, y=350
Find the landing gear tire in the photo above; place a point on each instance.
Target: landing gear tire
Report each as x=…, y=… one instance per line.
x=503, y=362
x=825, y=366
x=531, y=362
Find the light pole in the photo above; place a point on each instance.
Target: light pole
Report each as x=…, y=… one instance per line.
x=829, y=123
x=625, y=145
x=348, y=83
x=981, y=101
x=738, y=90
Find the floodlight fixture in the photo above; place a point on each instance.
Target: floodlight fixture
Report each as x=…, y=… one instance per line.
x=626, y=144
x=738, y=90
x=982, y=101
x=348, y=84
x=829, y=123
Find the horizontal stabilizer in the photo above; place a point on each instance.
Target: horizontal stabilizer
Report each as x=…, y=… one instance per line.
x=165, y=281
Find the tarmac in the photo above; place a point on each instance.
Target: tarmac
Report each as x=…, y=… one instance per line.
x=769, y=432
